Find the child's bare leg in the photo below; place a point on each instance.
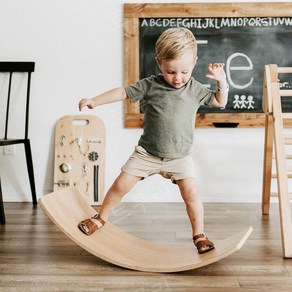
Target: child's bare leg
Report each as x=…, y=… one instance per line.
x=195, y=210
x=121, y=186
x=194, y=205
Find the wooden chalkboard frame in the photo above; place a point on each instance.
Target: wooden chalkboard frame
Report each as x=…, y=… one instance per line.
x=132, y=13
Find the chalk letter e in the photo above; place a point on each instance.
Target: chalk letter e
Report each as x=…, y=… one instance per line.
x=229, y=68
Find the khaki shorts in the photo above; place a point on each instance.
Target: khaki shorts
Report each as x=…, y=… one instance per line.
x=143, y=164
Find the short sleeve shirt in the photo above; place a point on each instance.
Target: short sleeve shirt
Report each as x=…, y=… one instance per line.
x=169, y=114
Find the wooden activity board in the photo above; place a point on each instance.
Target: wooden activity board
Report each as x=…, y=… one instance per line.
x=79, y=156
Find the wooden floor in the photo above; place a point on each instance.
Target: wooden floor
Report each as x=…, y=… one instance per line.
x=36, y=256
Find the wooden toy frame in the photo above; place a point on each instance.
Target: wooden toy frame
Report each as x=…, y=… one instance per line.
x=277, y=141
x=132, y=13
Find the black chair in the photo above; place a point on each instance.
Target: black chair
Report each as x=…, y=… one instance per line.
x=9, y=68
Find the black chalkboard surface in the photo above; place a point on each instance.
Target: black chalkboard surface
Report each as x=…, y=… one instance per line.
x=244, y=44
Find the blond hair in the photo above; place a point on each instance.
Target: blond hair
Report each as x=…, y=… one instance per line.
x=174, y=42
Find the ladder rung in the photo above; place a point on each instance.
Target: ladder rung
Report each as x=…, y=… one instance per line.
x=285, y=92
x=275, y=194
x=274, y=175
x=284, y=69
x=288, y=140
x=287, y=116
x=287, y=156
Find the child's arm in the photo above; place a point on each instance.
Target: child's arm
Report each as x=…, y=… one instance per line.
x=217, y=73
x=113, y=95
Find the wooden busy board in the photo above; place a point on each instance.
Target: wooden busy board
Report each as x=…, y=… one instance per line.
x=79, y=156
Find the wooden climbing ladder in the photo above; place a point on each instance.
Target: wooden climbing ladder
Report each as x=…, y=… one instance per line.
x=278, y=143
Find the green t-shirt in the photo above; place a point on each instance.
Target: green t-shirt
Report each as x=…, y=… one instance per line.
x=169, y=114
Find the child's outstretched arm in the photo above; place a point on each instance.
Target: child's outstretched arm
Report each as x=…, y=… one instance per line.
x=217, y=73
x=110, y=96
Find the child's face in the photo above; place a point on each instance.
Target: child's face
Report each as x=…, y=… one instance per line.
x=177, y=72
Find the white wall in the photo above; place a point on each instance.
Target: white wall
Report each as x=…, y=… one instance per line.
x=78, y=50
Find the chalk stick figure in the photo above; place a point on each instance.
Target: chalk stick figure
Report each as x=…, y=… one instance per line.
x=243, y=102
x=236, y=101
x=250, y=102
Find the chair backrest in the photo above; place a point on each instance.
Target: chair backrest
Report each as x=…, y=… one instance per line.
x=10, y=68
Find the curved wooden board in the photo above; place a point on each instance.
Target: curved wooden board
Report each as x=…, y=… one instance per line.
x=67, y=207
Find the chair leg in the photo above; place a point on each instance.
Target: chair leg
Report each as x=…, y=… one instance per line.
x=2, y=214
x=30, y=170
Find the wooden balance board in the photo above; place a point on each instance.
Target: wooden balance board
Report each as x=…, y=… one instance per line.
x=79, y=156
x=67, y=207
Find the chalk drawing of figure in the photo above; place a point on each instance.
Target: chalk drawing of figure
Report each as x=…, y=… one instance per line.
x=236, y=101
x=250, y=102
x=242, y=102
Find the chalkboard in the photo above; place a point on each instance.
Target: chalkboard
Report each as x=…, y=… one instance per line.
x=245, y=45
x=244, y=36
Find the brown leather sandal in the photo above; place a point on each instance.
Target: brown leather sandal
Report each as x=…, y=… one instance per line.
x=87, y=226
x=204, y=245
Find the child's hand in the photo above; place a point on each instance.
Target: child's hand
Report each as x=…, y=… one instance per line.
x=86, y=102
x=217, y=72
